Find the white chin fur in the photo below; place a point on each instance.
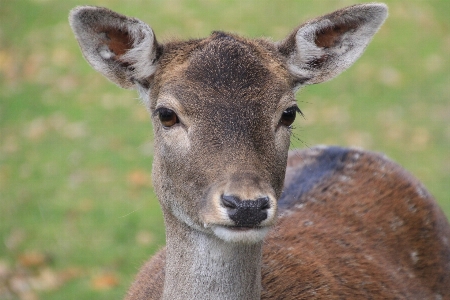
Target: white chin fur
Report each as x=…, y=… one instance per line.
x=249, y=236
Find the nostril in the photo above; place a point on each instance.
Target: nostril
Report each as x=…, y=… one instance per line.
x=231, y=202
x=263, y=203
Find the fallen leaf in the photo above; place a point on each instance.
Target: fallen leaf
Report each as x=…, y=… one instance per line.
x=19, y=284
x=139, y=179
x=8, y=65
x=47, y=279
x=10, y=144
x=70, y=274
x=33, y=259
x=75, y=130
x=15, y=239
x=104, y=281
x=36, y=129
x=29, y=296
x=420, y=139
x=360, y=139
x=4, y=269
x=144, y=237
x=390, y=77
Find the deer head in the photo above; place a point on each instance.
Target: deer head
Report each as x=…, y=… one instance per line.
x=222, y=107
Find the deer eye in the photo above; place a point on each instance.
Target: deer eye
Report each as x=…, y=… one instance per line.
x=167, y=117
x=288, y=116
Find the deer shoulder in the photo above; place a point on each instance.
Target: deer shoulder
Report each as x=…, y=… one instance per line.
x=353, y=224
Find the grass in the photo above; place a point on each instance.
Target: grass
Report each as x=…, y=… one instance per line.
x=78, y=214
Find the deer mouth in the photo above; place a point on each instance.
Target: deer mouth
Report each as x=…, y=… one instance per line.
x=241, y=234
x=242, y=228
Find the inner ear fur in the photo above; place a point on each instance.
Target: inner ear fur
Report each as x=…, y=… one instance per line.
x=123, y=49
x=326, y=46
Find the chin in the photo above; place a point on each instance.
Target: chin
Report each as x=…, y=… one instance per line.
x=244, y=235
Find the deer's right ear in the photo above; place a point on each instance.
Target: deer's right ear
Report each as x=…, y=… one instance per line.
x=123, y=49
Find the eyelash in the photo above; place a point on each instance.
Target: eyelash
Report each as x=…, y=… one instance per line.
x=166, y=116
x=288, y=116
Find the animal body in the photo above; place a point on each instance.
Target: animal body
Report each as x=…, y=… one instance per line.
x=245, y=218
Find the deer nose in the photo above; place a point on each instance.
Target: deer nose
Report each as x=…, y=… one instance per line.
x=246, y=213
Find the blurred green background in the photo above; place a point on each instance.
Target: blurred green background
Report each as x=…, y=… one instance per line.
x=78, y=214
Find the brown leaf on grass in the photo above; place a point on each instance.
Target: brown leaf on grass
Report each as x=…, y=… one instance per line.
x=10, y=144
x=85, y=205
x=61, y=57
x=4, y=269
x=36, y=129
x=15, y=239
x=104, y=281
x=139, y=179
x=18, y=284
x=335, y=114
x=390, y=77
x=144, y=237
x=32, y=274
x=360, y=139
x=75, y=130
x=141, y=114
x=8, y=65
x=33, y=66
x=45, y=280
x=39, y=127
x=420, y=139
x=33, y=259
x=29, y=296
x=434, y=63
x=70, y=274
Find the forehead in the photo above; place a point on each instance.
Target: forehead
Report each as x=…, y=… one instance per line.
x=225, y=69
x=228, y=64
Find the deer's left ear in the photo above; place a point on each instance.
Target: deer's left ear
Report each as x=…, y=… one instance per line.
x=326, y=46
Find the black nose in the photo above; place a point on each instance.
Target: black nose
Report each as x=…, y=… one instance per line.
x=246, y=213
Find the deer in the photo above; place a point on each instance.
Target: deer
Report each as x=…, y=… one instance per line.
x=245, y=217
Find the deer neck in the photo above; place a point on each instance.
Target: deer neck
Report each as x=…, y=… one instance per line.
x=201, y=266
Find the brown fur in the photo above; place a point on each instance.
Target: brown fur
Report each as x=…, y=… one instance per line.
x=387, y=240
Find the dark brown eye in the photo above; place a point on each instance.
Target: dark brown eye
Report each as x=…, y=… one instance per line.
x=167, y=117
x=288, y=116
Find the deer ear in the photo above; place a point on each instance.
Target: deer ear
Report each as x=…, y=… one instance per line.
x=326, y=46
x=123, y=49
